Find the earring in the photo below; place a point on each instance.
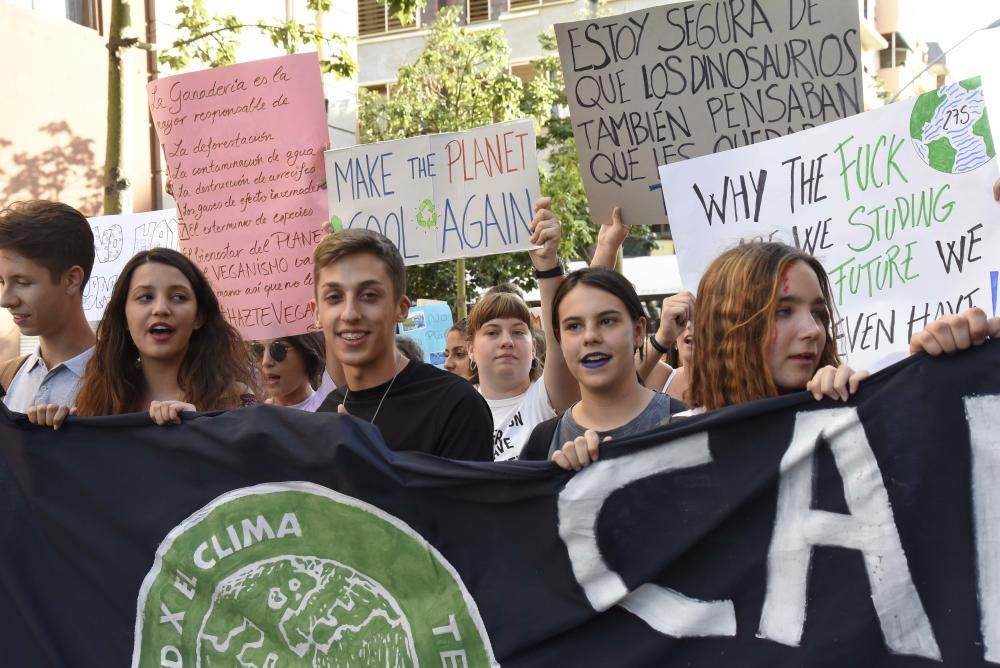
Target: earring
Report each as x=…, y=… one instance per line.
x=472, y=366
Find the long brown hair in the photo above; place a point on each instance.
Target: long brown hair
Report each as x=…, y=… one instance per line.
x=216, y=368
x=733, y=317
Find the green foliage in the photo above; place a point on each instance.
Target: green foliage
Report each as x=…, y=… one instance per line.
x=212, y=38
x=462, y=80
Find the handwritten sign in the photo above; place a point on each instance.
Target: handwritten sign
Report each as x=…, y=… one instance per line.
x=668, y=83
x=244, y=147
x=116, y=240
x=428, y=325
x=896, y=203
x=440, y=197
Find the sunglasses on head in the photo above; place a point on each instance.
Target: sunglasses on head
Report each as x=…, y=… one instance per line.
x=277, y=350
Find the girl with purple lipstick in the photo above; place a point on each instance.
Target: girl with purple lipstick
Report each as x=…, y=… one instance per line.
x=755, y=339
x=600, y=325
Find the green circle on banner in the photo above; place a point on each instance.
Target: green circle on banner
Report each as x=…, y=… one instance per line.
x=336, y=224
x=950, y=128
x=294, y=574
x=427, y=214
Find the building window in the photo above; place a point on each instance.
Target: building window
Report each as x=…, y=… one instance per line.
x=528, y=4
x=83, y=12
x=384, y=89
x=895, y=54
x=525, y=71
x=477, y=11
x=374, y=19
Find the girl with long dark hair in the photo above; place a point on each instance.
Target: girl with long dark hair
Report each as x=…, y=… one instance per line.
x=163, y=346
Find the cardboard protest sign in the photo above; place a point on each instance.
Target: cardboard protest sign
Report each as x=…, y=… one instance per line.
x=116, y=240
x=428, y=325
x=668, y=83
x=440, y=197
x=896, y=203
x=244, y=149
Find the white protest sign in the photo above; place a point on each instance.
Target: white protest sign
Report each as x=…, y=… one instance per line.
x=896, y=203
x=440, y=197
x=678, y=81
x=116, y=240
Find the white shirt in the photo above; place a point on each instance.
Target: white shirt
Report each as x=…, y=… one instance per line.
x=313, y=402
x=515, y=418
x=36, y=384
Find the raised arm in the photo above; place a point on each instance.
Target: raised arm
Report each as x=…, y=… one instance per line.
x=609, y=239
x=560, y=385
x=677, y=311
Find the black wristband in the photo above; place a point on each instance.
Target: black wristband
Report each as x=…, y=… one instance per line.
x=656, y=344
x=554, y=272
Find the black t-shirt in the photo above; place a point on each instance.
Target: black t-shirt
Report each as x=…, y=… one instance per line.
x=426, y=410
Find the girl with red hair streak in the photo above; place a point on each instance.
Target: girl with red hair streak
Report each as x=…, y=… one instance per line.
x=763, y=327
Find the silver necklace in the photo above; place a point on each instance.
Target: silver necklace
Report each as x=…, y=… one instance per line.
x=347, y=392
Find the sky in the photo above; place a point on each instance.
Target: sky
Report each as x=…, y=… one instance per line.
x=947, y=22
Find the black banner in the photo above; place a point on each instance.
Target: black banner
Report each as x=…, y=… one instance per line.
x=787, y=532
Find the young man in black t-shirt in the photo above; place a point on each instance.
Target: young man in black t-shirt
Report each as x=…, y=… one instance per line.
x=360, y=283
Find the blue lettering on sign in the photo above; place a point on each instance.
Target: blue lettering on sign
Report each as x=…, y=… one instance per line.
x=393, y=227
x=371, y=177
x=450, y=224
x=481, y=224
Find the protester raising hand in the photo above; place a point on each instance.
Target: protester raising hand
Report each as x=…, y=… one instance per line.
x=519, y=390
x=677, y=311
x=545, y=234
x=601, y=326
x=609, y=239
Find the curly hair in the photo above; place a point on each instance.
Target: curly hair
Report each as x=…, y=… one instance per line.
x=216, y=370
x=734, y=316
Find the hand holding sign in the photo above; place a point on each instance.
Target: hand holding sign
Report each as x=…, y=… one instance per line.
x=545, y=234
